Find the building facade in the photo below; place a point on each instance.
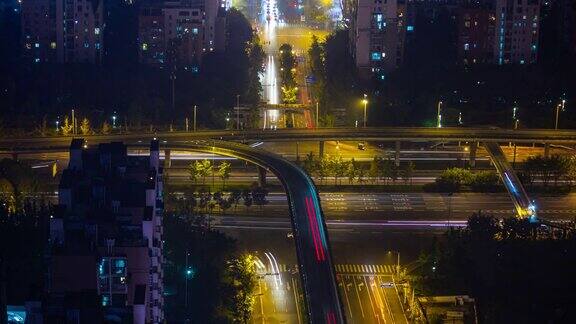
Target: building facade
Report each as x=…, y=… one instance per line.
x=378, y=34
x=106, y=254
x=38, y=35
x=517, y=31
x=476, y=32
x=499, y=32
x=79, y=31
x=180, y=32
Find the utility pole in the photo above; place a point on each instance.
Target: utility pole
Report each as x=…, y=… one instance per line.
x=73, y=123
x=439, y=115
x=559, y=107
x=516, y=122
x=195, y=118
x=173, y=79
x=365, y=102
x=188, y=273
x=238, y=112
x=317, y=115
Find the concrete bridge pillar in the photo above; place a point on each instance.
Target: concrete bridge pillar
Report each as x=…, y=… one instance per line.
x=261, y=176
x=547, y=149
x=321, y=149
x=397, y=154
x=167, y=159
x=473, y=149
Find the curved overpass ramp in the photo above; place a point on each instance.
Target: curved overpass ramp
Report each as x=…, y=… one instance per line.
x=312, y=245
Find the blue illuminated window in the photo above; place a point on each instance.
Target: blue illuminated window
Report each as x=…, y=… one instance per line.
x=376, y=56
x=410, y=28
x=379, y=19
x=466, y=46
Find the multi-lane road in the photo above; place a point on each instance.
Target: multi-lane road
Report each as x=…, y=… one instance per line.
x=357, y=206
x=369, y=292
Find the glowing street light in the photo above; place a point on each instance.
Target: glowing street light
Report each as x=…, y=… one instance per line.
x=559, y=107
x=397, y=262
x=365, y=102
x=114, y=117
x=515, y=116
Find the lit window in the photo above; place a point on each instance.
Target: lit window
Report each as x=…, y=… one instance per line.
x=466, y=47
x=105, y=300
x=97, y=46
x=36, y=60
x=37, y=45
x=86, y=45
x=28, y=46
x=144, y=47
x=53, y=45
x=378, y=18
x=195, y=31
x=376, y=56
x=410, y=28
x=97, y=30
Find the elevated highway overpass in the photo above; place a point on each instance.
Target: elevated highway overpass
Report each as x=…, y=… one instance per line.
x=489, y=137
x=402, y=134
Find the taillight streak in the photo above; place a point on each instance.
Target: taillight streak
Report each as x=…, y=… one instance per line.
x=314, y=229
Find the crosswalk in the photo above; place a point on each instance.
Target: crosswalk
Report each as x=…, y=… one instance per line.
x=365, y=268
x=352, y=268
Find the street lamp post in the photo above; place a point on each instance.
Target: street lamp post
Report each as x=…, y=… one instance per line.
x=439, y=115
x=365, y=102
x=397, y=261
x=516, y=122
x=195, y=108
x=317, y=114
x=559, y=107
x=114, y=120
x=238, y=112
x=73, y=123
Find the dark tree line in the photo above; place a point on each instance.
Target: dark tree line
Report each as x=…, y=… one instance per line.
x=35, y=95
x=220, y=278
x=517, y=271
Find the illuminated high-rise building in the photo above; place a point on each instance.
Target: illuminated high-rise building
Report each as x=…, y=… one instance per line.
x=79, y=31
x=38, y=34
x=499, y=32
x=378, y=34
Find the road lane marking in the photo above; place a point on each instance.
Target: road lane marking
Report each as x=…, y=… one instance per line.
x=358, y=295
